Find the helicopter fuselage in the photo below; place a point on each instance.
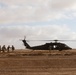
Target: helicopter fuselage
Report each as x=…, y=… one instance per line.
x=48, y=46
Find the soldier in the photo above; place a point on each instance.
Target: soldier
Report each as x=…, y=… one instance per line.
x=3, y=48
x=8, y=48
x=13, y=48
x=0, y=48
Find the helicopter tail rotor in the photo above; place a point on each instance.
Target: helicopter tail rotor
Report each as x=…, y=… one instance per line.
x=24, y=37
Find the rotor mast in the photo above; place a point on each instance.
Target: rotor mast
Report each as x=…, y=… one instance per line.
x=55, y=41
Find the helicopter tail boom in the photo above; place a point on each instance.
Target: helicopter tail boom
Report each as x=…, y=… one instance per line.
x=25, y=43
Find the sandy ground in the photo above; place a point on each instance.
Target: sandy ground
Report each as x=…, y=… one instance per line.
x=28, y=62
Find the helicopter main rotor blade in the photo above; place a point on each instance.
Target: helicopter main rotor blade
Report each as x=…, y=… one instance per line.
x=51, y=40
x=39, y=40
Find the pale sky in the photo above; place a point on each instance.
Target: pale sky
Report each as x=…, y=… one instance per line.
x=37, y=19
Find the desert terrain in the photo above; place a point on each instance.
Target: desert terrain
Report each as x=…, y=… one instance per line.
x=38, y=62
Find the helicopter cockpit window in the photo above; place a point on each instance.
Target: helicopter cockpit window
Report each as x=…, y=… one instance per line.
x=66, y=46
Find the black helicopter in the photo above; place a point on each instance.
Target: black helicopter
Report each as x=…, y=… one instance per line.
x=47, y=46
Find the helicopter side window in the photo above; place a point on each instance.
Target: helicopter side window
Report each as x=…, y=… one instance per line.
x=50, y=47
x=55, y=46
